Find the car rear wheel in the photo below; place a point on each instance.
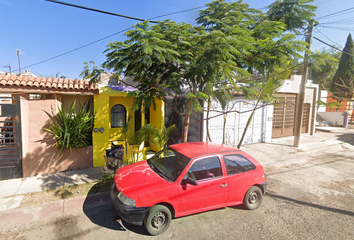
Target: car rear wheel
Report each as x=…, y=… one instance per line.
x=253, y=198
x=158, y=219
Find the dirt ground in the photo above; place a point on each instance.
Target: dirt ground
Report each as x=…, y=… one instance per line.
x=310, y=196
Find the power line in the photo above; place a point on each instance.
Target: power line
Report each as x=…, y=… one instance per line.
x=101, y=39
x=332, y=14
x=96, y=10
x=332, y=46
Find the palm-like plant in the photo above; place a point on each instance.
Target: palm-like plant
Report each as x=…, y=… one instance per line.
x=72, y=129
x=159, y=137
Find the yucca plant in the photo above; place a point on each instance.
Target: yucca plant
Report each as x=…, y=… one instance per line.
x=72, y=129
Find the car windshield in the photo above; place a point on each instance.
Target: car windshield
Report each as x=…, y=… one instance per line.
x=168, y=163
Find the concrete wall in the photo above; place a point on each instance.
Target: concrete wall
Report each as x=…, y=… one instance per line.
x=330, y=118
x=40, y=156
x=68, y=99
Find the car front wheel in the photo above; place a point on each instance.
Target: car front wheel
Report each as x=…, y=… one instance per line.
x=158, y=219
x=253, y=198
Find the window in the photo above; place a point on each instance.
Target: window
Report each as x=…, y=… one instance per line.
x=237, y=164
x=168, y=163
x=206, y=168
x=118, y=116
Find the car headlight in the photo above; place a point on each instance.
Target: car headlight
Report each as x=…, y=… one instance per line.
x=125, y=200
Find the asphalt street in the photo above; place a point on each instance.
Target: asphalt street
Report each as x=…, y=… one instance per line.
x=310, y=192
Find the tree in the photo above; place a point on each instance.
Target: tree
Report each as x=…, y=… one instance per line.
x=342, y=86
x=170, y=59
x=224, y=97
x=323, y=65
x=232, y=43
x=296, y=14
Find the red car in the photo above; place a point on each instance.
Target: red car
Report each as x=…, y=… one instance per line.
x=184, y=179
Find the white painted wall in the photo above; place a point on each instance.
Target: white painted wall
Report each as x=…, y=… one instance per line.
x=330, y=118
x=260, y=129
x=323, y=98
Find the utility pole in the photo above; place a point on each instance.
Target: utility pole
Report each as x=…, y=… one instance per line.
x=18, y=53
x=300, y=102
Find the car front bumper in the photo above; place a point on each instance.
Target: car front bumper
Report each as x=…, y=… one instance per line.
x=130, y=214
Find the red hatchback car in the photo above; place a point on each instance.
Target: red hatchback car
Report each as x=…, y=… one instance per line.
x=184, y=179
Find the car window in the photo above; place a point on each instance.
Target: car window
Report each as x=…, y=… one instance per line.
x=168, y=163
x=206, y=168
x=237, y=163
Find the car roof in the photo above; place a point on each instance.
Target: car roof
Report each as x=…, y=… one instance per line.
x=194, y=149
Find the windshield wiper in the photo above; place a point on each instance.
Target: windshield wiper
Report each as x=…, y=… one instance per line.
x=159, y=171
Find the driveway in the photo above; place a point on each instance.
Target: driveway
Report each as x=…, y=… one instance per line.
x=310, y=196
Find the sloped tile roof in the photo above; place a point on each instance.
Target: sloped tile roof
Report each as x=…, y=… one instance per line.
x=36, y=84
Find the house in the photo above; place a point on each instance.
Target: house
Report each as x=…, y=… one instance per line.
x=333, y=115
x=269, y=121
x=29, y=151
x=113, y=110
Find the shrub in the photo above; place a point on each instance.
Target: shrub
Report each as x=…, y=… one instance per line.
x=72, y=129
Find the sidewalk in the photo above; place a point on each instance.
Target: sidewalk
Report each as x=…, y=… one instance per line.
x=279, y=150
x=12, y=190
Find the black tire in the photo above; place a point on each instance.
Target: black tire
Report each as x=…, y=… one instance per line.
x=157, y=220
x=253, y=198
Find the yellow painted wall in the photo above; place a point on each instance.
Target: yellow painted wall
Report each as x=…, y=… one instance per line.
x=103, y=103
x=157, y=119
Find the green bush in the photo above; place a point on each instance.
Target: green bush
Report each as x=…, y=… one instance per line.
x=72, y=129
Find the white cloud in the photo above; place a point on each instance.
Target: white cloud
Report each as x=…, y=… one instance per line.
x=5, y=2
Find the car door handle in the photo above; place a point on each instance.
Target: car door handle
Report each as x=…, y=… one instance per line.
x=223, y=185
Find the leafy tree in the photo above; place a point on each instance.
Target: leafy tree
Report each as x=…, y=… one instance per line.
x=342, y=86
x=170, y=59
x=323, y=65
x=232, y=43
x=224, y=97
x=296, y=14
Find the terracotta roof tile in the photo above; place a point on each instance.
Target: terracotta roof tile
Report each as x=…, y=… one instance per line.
x=38, y=83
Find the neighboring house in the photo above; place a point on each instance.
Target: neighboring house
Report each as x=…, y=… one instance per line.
x=271, y=121
x=285, y=112
x=29, y=150
x=331, y=115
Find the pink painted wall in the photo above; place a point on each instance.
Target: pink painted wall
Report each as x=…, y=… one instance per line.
x=39, y=154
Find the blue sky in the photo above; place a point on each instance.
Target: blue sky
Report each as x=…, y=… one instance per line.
x=43, y=30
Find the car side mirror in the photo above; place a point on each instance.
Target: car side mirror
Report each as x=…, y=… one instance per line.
x=190, y=181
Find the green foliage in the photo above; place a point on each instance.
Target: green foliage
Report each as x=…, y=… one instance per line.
x=342, y=86
x=330, y=104
x=296, y=14
x=72, y=129
x=233, y=43
x=323, y=65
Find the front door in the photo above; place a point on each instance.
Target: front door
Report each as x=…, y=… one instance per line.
x=211, y=192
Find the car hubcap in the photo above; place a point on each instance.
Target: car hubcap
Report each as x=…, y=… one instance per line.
x=253, y=198
x=159, y=220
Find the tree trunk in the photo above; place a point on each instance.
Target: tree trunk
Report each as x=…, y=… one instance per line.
x=207, y=120
x=248, y=123
x=186, y=121
x=224, y=129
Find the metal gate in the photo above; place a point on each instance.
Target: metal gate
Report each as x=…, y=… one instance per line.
x=10, y=138
x=284, y=116
x=236, y=123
